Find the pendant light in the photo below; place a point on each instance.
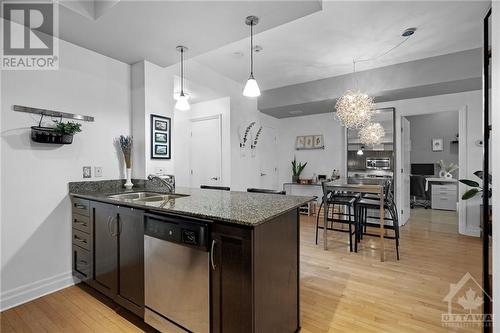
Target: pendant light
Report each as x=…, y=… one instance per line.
x=251, y=87
x=182, y=100
x=372, y=134
x=360, y=151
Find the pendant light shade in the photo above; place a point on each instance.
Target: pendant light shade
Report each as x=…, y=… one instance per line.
x=182, y=101
x=372, y=134
x=355, y=109
x=251, y=87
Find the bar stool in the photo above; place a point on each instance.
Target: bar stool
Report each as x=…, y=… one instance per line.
x=347, y=201
x=364, y=204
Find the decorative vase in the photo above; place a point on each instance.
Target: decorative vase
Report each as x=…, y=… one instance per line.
x=442, y=174
x=128, y=184
x=448, y=175
x=295, y=179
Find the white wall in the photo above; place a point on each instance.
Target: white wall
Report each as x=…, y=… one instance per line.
x=36, y=212
x=181, y=132
x=319, y=161
x=152, y=93
x=495, y=142
x=472, y=101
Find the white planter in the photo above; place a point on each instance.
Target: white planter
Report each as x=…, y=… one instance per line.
x=128, y=184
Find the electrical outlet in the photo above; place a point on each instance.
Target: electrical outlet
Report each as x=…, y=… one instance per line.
x=97, y=171
x=87, y=172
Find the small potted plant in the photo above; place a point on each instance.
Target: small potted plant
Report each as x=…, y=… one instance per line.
x=67, y=130
x=62, y=133
x=446, y=169
x=297, y=169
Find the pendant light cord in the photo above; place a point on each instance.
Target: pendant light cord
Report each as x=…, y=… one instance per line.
x=182, y=70
x=251, y=49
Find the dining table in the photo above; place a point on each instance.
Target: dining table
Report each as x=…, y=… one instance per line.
x=356, y=186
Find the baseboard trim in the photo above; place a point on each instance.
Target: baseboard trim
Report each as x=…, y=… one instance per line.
x=475, y=232
x=31, y=291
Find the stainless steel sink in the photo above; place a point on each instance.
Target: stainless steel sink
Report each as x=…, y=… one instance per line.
x=145, y=196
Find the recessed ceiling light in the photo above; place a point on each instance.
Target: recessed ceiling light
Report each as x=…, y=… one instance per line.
x=295, y=112
x=408, y=32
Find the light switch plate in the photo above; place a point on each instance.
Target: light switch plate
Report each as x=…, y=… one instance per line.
x=87, y=172
x=97, y=171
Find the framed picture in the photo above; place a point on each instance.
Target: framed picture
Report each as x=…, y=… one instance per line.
x=318, y=142
x=160, y=137
x=437, y=144
x=300, y=142
x=309, y=142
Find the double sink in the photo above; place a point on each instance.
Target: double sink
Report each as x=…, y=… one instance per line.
x=145, y=197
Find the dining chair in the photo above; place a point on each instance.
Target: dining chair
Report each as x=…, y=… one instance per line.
x=210, y=187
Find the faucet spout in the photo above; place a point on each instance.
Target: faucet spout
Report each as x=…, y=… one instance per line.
x=168, y=181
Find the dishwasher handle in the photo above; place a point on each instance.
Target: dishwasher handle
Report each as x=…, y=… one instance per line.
x=212, y=251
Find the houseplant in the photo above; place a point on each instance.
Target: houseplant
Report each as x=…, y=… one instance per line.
x=126, y=143
x=297, y=169
x=62, y=133
x=476, y=188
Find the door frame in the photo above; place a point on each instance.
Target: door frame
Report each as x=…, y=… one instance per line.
x=462, y=163
x=219, y=133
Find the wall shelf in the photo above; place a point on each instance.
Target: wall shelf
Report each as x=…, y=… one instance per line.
x=51, y=113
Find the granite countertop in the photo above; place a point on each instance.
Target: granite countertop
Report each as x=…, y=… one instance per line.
x=250, y=209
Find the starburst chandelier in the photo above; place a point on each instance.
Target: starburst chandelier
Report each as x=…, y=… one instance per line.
x=371, y=134
x=355, y=109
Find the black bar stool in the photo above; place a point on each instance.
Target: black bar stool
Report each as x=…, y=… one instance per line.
x=346, y=200
x=210, y=187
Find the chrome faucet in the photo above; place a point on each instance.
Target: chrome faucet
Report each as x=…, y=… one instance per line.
x=168, y=181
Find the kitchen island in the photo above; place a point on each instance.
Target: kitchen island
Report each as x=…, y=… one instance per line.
x=251, y=254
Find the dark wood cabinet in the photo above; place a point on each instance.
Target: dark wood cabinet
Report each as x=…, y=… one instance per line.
x=130, y=291
x=255, y=276
x=231, y=280
x=115, y=256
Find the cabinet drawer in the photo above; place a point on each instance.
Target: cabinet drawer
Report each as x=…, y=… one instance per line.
x=81, y=263
x=446, y=187
x=81, y=239
x=444, y=202
x=80, y=206
x=81, y=222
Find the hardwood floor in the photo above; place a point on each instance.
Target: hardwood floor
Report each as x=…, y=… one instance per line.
x=340, y=291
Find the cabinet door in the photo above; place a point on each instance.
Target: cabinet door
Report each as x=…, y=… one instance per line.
x=130, y=292
x=105, y=248
x=231, y=281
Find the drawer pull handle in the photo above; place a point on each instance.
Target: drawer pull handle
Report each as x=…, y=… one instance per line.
x=79, y=206
x=212, y=250
x=80, y=222
x=80, y=239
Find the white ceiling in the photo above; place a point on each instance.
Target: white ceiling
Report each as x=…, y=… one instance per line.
x=324, y=44
x=131, y=31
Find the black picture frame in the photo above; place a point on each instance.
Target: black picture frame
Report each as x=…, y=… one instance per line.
x=161, y=143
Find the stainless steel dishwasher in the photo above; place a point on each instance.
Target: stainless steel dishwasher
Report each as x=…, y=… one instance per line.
x=176, y=259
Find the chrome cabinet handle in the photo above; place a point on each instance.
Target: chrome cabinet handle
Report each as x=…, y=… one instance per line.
x=212, y=250
x=109, y=226
x=80, y=206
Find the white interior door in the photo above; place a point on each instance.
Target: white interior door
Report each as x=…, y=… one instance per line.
x=267, y=149
x=406, y=168
x=205, y=151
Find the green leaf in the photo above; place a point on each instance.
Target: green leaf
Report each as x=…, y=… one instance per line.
x=470, y=193
x=470, y=183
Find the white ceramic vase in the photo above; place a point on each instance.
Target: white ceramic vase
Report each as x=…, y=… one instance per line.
x=442, y=174
x=128, y=184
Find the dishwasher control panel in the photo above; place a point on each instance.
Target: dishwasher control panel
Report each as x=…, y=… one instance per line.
x=180, y=230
